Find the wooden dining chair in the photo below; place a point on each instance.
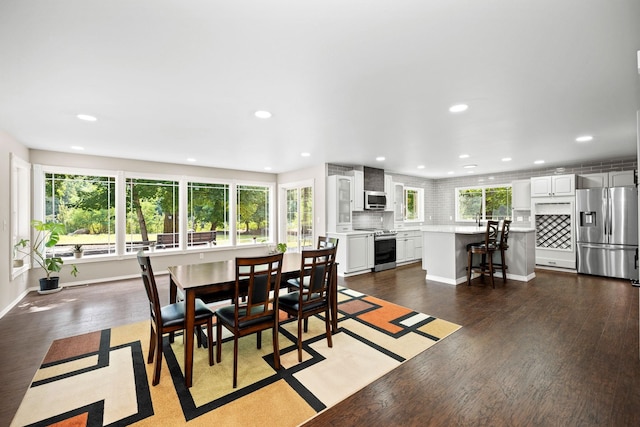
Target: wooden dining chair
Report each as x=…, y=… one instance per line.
x=169, y=318
x=486, y=249
x=255, y=305
x=312, y=298
x=324, y=241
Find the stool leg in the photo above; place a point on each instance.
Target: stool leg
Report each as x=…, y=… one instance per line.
x=504, y=266
x=469, y=268
x=490, y=253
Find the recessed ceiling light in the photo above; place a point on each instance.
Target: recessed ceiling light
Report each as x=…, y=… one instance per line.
x=539, y=162
x=458, y=108
x=491, y=178
x=463, y=156
x=261, y=114
x=86, y=117
x=77, y=147
x=506, y=159
x=380, y=159
x=450, y=173
x=191, y=159
x=469, y=171
x=420, y=166
x=267, y=168
x=305, y=154
x=584, y=138
x=470, y=166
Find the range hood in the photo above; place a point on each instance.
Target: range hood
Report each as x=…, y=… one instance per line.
x=373, y=179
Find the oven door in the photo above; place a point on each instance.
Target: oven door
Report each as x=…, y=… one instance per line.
x=385, y=253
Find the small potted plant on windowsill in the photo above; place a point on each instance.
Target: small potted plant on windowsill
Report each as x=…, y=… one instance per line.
x=47, y=235
x=18, y=249
x=77, y=250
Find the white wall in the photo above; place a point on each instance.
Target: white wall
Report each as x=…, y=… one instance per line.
x=10, y=291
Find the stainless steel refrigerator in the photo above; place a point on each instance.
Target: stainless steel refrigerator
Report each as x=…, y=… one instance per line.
x=607, y=231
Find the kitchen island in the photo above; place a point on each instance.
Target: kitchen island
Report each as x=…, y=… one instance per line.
x=444, y=252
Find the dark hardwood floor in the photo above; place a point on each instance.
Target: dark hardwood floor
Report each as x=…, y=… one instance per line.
x=559, y=350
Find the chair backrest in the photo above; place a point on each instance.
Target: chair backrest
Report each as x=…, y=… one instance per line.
x=258, y=277
x=327, y=242
x=149, y=285
x=491, y=234
x=317, y=264
x=506, y=226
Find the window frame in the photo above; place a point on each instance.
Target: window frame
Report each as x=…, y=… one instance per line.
x=484, y=189
x=419, y=201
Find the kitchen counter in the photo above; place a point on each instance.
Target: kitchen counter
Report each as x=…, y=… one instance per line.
x=444, y=252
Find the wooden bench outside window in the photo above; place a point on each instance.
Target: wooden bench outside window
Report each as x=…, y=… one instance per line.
x=171, y=240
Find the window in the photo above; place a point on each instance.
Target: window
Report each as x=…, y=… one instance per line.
x=115, y=213
x=413, y=201
x=86, y=206
x=253, y=214
x=152, y=214
x=20, y=211
x=483, y=203
x=296, y=220
x=208, y=207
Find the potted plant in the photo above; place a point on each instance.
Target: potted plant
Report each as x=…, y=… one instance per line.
x=281, y=247
x=77, y=250
x=47, y=235
x=18, y=249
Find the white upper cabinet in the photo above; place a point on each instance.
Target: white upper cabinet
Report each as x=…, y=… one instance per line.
x=555, y=185
x=339, y=203
x=521, y=194
x=398, y=202
x=607, y=179
x=388, y=189
x=358, y=190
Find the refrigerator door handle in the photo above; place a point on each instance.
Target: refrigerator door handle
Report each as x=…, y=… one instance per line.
x=636, y=259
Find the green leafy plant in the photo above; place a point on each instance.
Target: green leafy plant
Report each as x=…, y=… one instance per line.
x=282, y=247
x=47, y=235
x=77, y=248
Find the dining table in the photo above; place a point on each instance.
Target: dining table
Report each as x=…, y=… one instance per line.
x=215, y=281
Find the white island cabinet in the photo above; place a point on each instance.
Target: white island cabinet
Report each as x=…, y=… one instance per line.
x=444, y=252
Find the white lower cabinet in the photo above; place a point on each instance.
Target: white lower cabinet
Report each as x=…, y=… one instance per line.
x=355, y=252
x=408, y=246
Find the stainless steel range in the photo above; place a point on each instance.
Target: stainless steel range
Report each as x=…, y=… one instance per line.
x=384, y=242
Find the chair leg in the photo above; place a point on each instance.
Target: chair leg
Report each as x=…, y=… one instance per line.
x=158, y=360
x=306, y=324
x=259, y=340
x=276, y=345
x=152, y=345
x=235, y=360
x=328, y=325
x=300, y=321
x=218, y=341
x=210, y=340
x=198, y=332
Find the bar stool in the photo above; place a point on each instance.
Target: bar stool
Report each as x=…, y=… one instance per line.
x=486, y=249
x=503, y=246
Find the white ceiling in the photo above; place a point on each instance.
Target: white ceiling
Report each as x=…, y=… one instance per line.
x=345, y=80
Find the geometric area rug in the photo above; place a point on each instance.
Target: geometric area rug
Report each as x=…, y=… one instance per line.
x=101, y=378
